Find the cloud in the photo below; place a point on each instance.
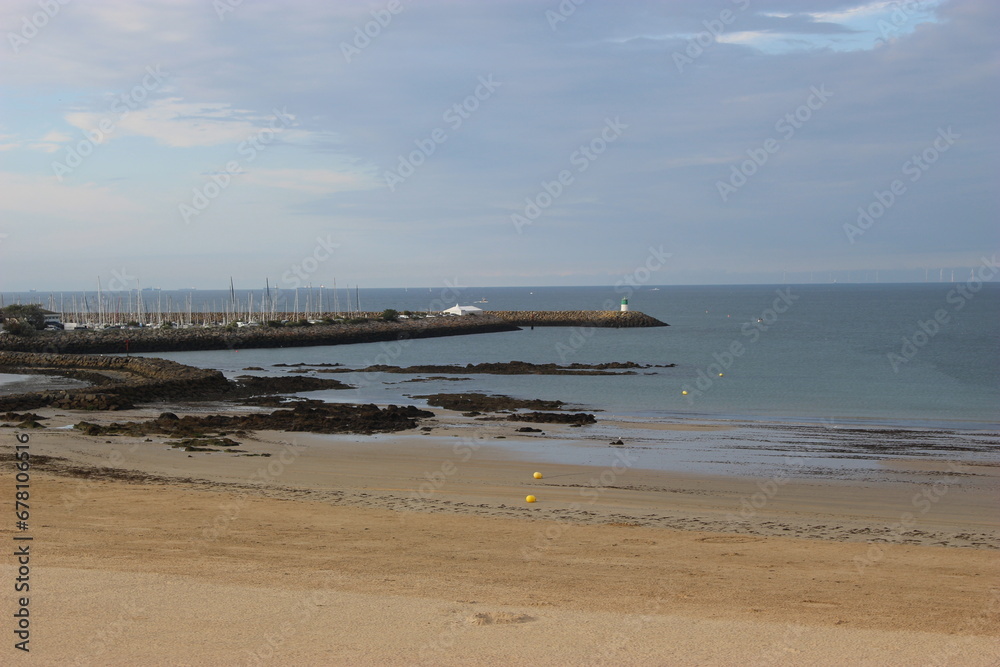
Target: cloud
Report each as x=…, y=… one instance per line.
x=354, y=120
x=176, y=123
x=55, y=136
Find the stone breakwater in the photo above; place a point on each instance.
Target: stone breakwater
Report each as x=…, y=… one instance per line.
x=118, y=381
x=118, y=341
x=577, y=318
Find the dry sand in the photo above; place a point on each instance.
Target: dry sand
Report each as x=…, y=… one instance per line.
x=421, y=550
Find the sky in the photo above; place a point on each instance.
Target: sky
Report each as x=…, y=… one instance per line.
x=405, y=143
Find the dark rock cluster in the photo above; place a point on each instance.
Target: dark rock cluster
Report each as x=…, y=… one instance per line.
x=302, y=416
x=479, y=403
x=122, y=382
x=553, y=417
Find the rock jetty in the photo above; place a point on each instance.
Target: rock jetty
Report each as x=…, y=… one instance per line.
x=577, y=318
x=120, y=341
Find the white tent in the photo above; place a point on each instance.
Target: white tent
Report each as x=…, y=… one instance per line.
x=462, y=310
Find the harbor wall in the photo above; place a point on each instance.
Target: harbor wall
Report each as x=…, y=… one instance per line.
x=367, y=328
x=149, y=339
x=577, y=318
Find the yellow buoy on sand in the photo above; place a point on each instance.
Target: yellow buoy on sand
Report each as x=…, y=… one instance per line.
x=531, y=499
x=537, y=475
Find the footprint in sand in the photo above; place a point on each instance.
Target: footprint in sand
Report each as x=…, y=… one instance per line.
x=730, y=539
x=497, y=618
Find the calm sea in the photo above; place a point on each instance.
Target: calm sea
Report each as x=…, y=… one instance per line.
x=906, y=354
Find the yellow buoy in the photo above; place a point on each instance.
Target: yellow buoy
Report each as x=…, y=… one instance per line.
x=684, y=393
x=537, y=475
x=720, y=374
x=531, y=499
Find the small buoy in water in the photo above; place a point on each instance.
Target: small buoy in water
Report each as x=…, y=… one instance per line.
x=720, y=374
x=530, y=499
x=537, y=475
x=684, y=393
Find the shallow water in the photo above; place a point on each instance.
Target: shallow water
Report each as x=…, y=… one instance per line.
x=825, y=359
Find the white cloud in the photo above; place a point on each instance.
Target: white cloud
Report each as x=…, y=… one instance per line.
x=178, y=124
x=853, y=14
x=55, y=136
x=50, y=143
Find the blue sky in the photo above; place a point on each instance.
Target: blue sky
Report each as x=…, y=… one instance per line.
x=402, y=143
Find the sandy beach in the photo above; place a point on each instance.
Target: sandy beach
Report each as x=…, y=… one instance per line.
x=421, y=549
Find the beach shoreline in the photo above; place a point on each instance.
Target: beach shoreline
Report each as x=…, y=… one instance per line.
x=325, y=539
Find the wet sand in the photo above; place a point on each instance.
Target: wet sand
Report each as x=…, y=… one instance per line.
x=420, y=549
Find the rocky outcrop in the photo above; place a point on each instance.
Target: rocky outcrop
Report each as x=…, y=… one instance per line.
x=120, y=382
x=475, y=402
x=553, y=418
x=303, y=416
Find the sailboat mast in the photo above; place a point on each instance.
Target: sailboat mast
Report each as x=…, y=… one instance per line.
x=100, y=303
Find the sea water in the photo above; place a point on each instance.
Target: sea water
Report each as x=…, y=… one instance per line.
x=923, y=355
